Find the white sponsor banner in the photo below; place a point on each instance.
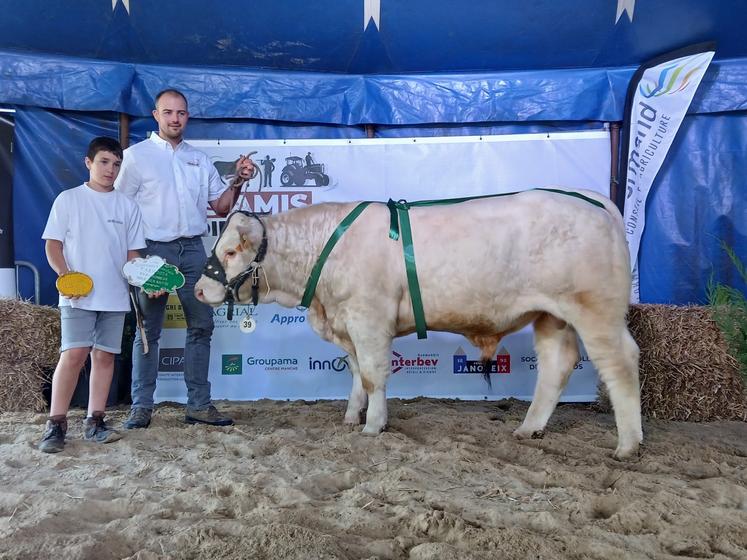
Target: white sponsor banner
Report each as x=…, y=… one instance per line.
x=660, y=101
x=284, y=359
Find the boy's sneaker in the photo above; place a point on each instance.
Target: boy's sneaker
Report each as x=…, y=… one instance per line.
x=139, y=418
x=53, y=440
x=95, y=429
x=209, y=415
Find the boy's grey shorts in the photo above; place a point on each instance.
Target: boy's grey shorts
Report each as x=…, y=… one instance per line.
x=82, y=328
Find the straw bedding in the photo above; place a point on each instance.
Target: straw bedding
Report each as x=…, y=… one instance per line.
x=29, y=349
x=686, y=372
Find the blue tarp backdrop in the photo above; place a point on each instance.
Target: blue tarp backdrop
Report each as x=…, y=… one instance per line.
x=419, y=68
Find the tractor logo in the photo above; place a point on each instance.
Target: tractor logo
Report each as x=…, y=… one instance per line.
x=298, y=171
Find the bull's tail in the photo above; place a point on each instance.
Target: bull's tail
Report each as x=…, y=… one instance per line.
x=487, y=364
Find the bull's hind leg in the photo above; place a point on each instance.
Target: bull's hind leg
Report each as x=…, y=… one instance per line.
x=615, y=355
x=557, y=352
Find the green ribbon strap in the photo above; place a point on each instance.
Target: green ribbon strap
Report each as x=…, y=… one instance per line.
x=316, y=272
x=394, y=227
x=401, y=210
x=399, y=219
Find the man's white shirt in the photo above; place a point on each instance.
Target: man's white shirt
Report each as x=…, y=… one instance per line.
x=96, y=230
x=171, y=186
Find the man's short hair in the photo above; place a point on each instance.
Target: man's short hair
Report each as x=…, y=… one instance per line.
x=104, y=144
x=172, y=91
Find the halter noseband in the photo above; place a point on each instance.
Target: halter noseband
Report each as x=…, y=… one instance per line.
x=214, y=269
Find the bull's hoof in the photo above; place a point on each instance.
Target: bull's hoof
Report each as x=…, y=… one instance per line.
x=369, y=431
x=520, y=433
x=353, y=419
x=627, y=453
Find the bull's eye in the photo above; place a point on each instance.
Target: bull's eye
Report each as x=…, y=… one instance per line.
x=230, y=253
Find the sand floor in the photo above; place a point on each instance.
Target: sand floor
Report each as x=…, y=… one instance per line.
x=447, y=481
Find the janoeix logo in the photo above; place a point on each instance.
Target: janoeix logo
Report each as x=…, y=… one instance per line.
x=501, y=364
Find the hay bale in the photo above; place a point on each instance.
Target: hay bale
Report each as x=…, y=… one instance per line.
x=686, y=371
x=29, y=348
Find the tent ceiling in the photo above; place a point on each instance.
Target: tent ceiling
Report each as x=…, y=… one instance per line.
x=416, y=36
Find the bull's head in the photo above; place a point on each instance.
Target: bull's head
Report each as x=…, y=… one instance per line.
x=236, y=258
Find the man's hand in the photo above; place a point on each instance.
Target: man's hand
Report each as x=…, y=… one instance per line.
x=245, y=169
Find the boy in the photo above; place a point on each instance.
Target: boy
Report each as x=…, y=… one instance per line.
x=91, y=229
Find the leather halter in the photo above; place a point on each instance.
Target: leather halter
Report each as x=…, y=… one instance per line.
x=214, y=269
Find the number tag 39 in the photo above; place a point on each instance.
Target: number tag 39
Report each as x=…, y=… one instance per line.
x=248, y=324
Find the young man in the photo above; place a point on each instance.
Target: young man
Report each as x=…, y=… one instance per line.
x=173, y=183
x=95, y=230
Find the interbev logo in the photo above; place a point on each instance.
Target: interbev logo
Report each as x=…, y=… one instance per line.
x=420, y=363
x=231, y=364
x=501, y=364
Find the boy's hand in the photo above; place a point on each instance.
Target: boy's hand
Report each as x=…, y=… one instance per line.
x=155, y=295
x=77, y=285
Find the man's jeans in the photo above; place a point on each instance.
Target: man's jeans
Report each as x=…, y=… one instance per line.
x=188, y=255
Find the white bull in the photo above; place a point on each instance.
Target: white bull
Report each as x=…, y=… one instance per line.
x=486, y=267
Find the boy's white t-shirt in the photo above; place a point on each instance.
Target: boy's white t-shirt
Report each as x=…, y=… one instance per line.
x=97, y=229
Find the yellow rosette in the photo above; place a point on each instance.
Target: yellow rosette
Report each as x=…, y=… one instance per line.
x=74, y=284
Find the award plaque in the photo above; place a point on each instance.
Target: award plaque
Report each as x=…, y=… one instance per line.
x=153, y=274
x=74, y=284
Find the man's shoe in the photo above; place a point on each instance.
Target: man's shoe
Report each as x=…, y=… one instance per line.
x=95, y=429
x=53, y=440
x=209, y=415
x=139, y=418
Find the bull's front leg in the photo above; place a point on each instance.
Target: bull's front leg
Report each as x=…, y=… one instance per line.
x=376, y=417
x=372, y=347
x=325, y=329
x=358, y=398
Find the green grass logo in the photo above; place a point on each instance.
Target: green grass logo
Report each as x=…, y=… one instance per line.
x=231, y=364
